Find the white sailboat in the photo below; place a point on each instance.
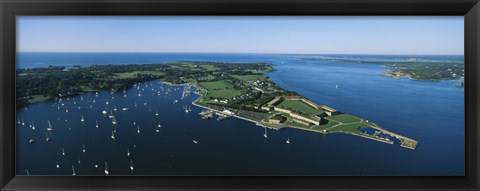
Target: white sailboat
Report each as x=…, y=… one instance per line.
x=265, y=134
x=128, y=152
x=46, y=138
x=96, y=124
x=288, y=140
x=138, y=129
x=106, y=169
x=28, y=173
x=82, y=119
x=33, y=126
x=78, y=159
x=84, y=150
x=156, y=113
x=104, y=112
x=58, y=165
x=111, y=114
x=73, y=171
x=50, y=128
x=63, y=152
x=115, y=109
x=131, y=166
x=124, y=109
x=113, y=135
x=31, y=141
x=114, y=121
x=195, y=141
x=23, y=122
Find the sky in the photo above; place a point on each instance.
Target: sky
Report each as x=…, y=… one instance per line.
x=430, y=35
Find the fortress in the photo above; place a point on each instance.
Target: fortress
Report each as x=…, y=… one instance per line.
x=297, y=116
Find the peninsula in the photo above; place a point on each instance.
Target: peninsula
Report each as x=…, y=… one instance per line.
x=239, y=90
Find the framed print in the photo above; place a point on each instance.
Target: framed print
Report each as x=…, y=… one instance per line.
x=190, y=95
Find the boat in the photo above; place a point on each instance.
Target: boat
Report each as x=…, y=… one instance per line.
x=78, y=159
x=288, y=140
x=73, y=171
x=114, y=121
x=145, y=103
x=156, y=113
x=96, y=124
x=33, y=126
x=135, y=104
x=111, y=115
x=138, y=129
x=265, y=134
x=106, y=169
x=131, y=166
x=113, y=135
x=18, y=121
x=128, y=152
x=84, y=150
x=58, y=165
x=28, y=173
x=106, y=102
x=115, y=109
x=124, y=109
x=195, y=141
x=31, y=141
x=50, y=128
x=63, y=152
x=23, y=122
x=104, y=112
x=83, y=119
x=66, y=111
x=46, y=138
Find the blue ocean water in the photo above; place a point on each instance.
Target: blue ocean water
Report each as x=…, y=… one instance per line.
x=430, y=112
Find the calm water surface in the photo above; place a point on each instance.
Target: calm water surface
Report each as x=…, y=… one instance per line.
x=430, y=112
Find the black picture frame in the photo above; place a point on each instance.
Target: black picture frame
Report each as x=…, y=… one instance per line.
x=9, y=9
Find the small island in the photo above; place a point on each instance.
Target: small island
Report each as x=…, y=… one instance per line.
x=240, y=90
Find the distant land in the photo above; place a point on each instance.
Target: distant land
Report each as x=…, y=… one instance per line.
x=414, y=69
x=239, y=90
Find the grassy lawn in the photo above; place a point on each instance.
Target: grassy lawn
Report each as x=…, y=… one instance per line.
x=38, y=98
x=220, y=89
x=324, y=126
x=250, y=77
x=298, y=105
x=350, y=128
x=345, y=118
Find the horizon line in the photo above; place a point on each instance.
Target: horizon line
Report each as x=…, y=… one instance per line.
x=244, y=53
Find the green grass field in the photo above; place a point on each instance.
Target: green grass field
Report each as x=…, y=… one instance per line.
x=298, y=105
x=349, y=128
x=345, y=118
x=250, y=77
x=220, y=89
x=38, y=98
x=324, y=126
